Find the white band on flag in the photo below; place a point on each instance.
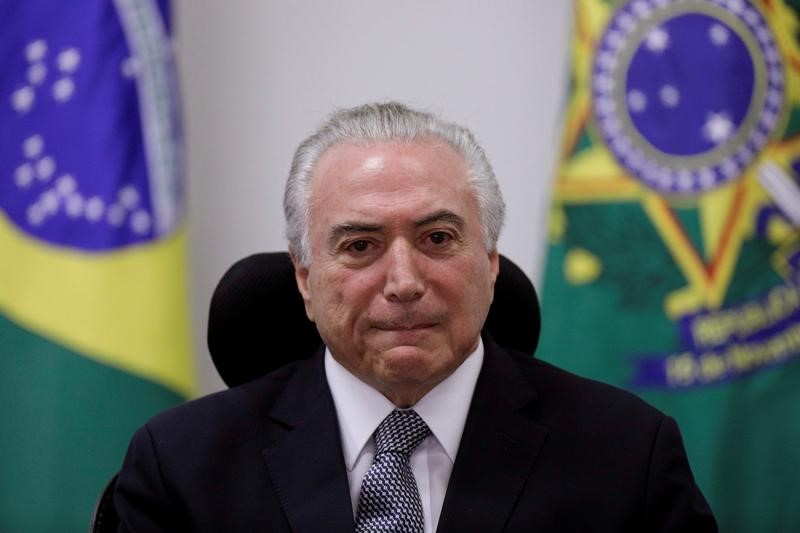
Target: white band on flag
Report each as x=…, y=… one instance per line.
x=784, y=191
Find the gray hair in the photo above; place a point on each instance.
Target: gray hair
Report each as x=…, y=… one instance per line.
x=382, y=122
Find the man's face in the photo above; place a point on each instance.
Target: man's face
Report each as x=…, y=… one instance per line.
x=400, y=281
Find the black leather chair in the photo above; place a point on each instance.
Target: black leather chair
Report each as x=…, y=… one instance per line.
x=257, y=323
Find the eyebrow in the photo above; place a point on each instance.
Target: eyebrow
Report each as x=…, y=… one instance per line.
x=340, y=231
x=344, y=229
x=442, y=216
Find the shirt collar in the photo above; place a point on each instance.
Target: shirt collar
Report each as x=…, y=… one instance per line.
x=360, y=408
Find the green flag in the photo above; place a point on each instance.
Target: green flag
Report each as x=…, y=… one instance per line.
x=674, y=256
x=94, y=335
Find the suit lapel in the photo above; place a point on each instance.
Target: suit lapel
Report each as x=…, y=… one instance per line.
x=305, y=458
x=498, y=449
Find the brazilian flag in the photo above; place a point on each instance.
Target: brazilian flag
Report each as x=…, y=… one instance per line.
x=94, y=334
x=674, y=258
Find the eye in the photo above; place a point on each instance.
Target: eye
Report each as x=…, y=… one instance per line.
x=360, y=245
x=358, y=251
x=440, y=237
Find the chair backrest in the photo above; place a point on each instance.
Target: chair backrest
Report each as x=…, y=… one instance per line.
x=257, y=319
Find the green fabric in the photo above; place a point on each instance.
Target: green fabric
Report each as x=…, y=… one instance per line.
x=689, y=299
x=66, y=423
x=741, y=435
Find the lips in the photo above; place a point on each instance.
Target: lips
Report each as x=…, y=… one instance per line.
x=404, y=327
x=408, y=322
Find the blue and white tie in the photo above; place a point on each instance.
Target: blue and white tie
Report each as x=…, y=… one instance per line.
x=389, y=498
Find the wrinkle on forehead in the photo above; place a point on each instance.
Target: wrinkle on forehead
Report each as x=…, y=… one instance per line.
x=399, y=156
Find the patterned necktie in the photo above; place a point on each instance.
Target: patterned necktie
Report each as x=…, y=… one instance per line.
x=389, y=498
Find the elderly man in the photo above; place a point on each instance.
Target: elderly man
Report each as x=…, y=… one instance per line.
x=409, y=420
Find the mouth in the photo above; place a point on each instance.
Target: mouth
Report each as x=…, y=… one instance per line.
x=405, y=327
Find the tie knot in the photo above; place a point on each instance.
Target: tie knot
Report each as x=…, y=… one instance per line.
x=400, y=432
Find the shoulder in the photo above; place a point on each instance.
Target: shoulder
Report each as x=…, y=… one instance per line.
x=607, y=450
x=566, y=400
x=176, y=462
x=242, y=409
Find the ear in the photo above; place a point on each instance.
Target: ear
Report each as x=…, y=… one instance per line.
x=494, y=264
x=494, y=269
x=301, y=278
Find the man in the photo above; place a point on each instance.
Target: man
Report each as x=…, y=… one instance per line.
x=393, y=217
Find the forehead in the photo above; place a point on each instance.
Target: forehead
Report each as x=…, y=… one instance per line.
x=390, y=168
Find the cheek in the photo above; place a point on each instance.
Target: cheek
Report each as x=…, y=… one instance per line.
x=325, y=296
x=336, y=298
x=477, y=296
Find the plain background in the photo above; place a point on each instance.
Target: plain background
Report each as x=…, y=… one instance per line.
x=258, y=76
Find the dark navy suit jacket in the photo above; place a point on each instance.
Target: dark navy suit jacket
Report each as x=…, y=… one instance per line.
x=542, y=451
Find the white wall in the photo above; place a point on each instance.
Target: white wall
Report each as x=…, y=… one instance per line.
x=258, y=76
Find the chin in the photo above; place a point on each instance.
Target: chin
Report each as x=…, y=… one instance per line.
x=410, y=364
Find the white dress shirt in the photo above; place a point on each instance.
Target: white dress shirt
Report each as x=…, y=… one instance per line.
x=360, y=409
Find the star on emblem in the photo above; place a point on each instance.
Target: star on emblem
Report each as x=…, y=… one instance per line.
x=718, y=127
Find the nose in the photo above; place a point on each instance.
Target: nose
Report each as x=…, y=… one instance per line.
x=404, y=280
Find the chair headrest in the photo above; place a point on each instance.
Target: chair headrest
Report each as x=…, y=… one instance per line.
x=257, y=320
